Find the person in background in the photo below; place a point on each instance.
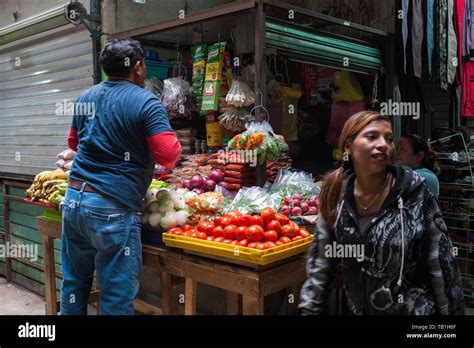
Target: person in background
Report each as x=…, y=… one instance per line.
x=414, y=152
x=397, y=256
x=117, y=148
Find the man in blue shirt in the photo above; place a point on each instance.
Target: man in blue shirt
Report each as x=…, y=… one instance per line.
x=117, y=146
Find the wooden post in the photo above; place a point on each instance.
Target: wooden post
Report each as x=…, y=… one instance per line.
x=253, y=305
x=232, y=303
x=190, y=297
x=166, y=293
x=49, y=275
x=292, y=294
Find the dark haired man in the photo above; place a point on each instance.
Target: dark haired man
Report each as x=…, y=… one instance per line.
x=117, y=148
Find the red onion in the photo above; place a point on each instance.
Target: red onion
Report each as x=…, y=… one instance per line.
x=296, y=202
x=196, y=182
x=312, y=202
x=216, y=175
x=298, y=196
x=186, y=183
x=209, y=185
x=285, y=210
x=312, y=211
x=296, y=211
x=304, y=207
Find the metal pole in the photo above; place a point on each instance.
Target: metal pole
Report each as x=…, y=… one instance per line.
x=6, y=228
x=389, y=82
x=95, y=35
x=259, y=48
x=260, y=171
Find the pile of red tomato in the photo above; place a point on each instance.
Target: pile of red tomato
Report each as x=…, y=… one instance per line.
x=264, y=231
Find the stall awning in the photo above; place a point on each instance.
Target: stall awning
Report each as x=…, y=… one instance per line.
x=329, y=50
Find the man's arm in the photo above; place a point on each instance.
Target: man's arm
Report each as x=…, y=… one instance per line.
x=162, y=141
x=165, y=148
x=72, y=139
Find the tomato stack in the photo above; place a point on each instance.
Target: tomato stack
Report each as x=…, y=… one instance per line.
x=261, y=232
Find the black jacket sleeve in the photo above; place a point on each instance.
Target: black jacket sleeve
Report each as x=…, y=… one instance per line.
x=320, y=271
x=440, y=261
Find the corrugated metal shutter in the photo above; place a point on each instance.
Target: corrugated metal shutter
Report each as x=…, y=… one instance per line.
x=320, y=48
x=56, y=66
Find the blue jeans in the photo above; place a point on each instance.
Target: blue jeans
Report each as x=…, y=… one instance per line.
x=99, y=234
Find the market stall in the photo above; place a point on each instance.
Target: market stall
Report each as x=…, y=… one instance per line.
x=308, y=73
x=251, y=255
x=258, y=229
x=240, y=205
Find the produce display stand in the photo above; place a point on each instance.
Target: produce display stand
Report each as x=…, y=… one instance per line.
x=252, y=283
x=244, y=256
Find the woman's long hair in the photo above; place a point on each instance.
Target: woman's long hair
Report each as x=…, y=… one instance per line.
x=430, y=159
x=332, y=181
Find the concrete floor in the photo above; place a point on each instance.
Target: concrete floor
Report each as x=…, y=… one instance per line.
x=15, y=300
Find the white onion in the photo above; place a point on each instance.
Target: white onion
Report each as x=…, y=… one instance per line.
x=153, y=207
x=169, y=220
x=190, y=195
x=154, y=219
x=181, y=217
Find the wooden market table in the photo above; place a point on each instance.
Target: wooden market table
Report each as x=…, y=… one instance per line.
x=253, y=284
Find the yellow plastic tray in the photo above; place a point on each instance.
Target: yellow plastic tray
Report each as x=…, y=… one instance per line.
x=236, y=252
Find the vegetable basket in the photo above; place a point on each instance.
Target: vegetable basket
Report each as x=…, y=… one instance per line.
x=235, y=253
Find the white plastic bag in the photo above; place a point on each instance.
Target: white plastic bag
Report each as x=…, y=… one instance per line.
x=175, y=92
x=240, y=94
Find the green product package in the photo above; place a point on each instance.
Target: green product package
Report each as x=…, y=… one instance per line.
x=210, y=99
x=212, y=84
x=199, y=54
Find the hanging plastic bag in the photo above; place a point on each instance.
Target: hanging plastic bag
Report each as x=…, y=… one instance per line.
x=260, y=137
x=274, y=92
x=248, y=74
x=155, y=86
x=240, y=94
x=235, y=119
x=175, y=92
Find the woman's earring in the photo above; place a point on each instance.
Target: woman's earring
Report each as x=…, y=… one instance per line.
x=345, y=156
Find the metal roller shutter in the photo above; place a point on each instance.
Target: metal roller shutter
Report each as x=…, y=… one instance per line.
x=55, y=66
x=322, y=48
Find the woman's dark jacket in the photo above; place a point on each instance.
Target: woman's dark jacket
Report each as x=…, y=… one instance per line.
x=428, y=282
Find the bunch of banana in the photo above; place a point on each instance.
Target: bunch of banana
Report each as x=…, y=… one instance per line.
x=48, y=186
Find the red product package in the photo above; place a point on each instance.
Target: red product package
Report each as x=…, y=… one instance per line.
x=242, y=181
x=238, y=175
x=239, y=167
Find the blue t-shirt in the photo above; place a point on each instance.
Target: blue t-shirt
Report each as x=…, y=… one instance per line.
x=431, y=180
x=113, y=154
